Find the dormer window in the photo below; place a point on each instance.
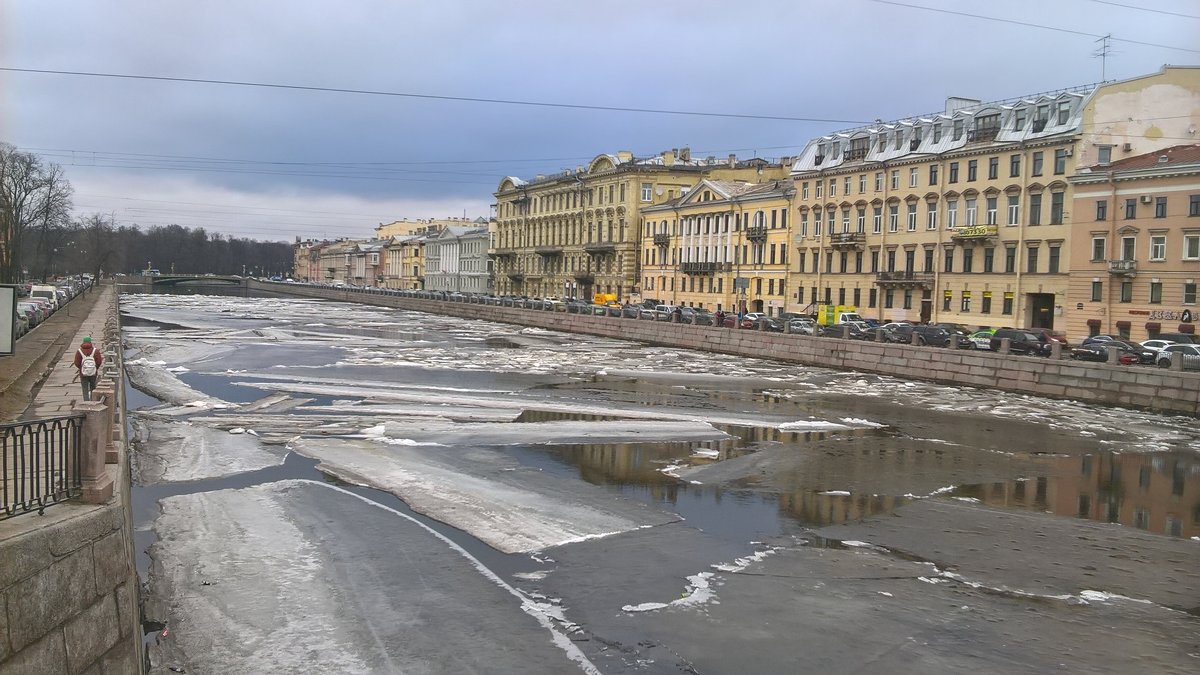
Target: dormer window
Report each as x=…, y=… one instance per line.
x=958, y=129
x=1019, y=116
x=1064, y=111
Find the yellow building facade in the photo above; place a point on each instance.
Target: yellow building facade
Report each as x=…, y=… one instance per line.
x=1137, y=263
x=404, y=262
x=964, y=215
x=577, y=233
x=722, y=246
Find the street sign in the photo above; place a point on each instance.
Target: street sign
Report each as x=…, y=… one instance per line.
x=741, y=283
x=8, y=320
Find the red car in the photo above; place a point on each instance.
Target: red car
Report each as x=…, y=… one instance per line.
x=1050, y=335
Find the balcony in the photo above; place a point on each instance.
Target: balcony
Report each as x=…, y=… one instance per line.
x=699, y=267
x=904, y=279
x=756, y=233
x=982, y=134
x=516, y=276
x=662, y=239
x=600, y=248
x=847, y=240
x=503, y=253
x=975, y=233
x=584, y=276
x=1122, y=267
x=549, y=251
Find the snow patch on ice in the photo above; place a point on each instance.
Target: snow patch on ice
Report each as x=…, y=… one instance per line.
x=532, y=576
x=837, y=493
x=706, y=453
x=861, y=422
x=810, y=425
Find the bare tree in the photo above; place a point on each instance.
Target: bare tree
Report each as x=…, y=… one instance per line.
x=32, y=194
x=98, y=242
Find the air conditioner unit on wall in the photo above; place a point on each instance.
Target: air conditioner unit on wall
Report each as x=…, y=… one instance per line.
x=1145, y=199
x=1127, y=147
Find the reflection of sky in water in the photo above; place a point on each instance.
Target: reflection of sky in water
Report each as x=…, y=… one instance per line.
x=300, y=339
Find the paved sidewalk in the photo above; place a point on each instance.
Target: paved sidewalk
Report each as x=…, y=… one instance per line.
x=61, y=391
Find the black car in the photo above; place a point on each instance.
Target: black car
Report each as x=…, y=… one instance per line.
x=1022, y=342
x=1128, y=352
x=1182, y=338
x=933, y=336
x=836, y=331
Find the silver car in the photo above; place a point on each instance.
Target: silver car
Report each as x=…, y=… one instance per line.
x=1191, y=356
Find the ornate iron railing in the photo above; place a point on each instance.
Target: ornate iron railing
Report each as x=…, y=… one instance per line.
x=40, y=464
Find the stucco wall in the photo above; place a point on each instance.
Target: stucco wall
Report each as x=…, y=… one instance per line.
x=1137, y=387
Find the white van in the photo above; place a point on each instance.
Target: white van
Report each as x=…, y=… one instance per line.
x=48, y=292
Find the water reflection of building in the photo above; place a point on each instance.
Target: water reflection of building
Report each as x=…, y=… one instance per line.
x=815, y=508
x=1157, y=492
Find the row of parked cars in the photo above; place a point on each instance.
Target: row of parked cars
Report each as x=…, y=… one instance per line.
x=1022, y=341
x=37, y=301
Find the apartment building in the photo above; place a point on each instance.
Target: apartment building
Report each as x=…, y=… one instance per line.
x=1137, y=262
x=721, y=246
x=306, y=259
x=456, y=260
x=576, y=233
x=404, y=262
x=964, y=215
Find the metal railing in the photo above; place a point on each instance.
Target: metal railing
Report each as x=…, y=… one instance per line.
x=40, y=464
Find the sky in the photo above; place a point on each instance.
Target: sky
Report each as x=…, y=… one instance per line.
x=275, y=163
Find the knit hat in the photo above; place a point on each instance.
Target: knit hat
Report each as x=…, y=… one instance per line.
x=87, y=339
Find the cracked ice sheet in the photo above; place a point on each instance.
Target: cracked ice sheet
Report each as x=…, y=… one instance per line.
x=171, y=452
x=157, y=382
x=485, y=493
x=258, y=580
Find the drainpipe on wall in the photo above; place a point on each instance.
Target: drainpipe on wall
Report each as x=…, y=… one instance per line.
x=1112, y=241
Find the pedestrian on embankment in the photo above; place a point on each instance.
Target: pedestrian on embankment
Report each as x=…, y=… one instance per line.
x=87, y=361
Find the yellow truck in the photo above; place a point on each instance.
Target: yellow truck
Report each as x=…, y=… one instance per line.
x=834, y=315
x=607, y=299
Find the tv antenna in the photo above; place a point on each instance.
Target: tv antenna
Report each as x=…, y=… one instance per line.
x=1102, y=53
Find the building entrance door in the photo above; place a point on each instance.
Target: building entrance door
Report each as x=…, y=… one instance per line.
x=1041, y=310
x=926, y=310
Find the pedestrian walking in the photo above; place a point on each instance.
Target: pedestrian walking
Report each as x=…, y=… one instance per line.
x=87, y=361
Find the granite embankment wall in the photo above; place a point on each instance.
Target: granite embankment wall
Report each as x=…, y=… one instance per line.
x=68, y=586
x=1135, y=387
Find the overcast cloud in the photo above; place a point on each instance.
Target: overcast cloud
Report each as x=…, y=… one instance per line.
x=274, y=164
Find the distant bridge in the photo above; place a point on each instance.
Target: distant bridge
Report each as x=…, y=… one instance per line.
x=184, y=280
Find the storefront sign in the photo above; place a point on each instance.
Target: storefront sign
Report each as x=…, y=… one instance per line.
x=975, y=232
x=1169, y=315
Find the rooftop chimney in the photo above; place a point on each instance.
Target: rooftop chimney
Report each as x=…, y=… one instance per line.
x=668, y=157
x=732, y=160
x=1163, y=159
x=685, y=154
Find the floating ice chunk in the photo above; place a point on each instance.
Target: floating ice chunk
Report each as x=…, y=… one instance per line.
x=373, y=432
x=969, y=500
x=857, y=544
x=644, y=607
x=532, y=576
x=944, y=490
x=601, y=373
x=837, y=493
x=810, y=425
x=179, y=369
x=861, y=422
x=237, y=430
x=884, y=593
x=706, y=453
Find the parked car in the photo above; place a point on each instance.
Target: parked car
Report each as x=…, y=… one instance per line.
x=981, y=339
x=1098, y=351
x=890, y=330
x=1022, y=342
x=1191, y=356
x=1094, y=339
x=1157, y=345
x=1182, y=338
x=1051, y=336
x=803, y=326
x=859, y=330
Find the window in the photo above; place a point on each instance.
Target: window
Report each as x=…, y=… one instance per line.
x=817, y=214
x=846, y=219
x=1130, y=209
x=647, y=192
x=889, y=298
x=1128, y=248
x=1010, y=259
x=878, y=181
x=937, y=133
x=872, y=297
x=958, y=129
x=893, y=218
x=991, y=210
x=877, y=220
x=804, y=225
x=1037, y=163
x=1104, y=154
x=899, y=139
x=858, y=257
x=832, y=187
x=1014, y=209
x=1014, y=166
x=862, y=183
x=1098, y=248
x=908, y=298
x=989, y=259
x=1194, y=205
x=965, y=306
x=1064, y=110
x=1156, y=292
x=1126, y=291
x=1056, y=208
x=1060, y=162
x=874, y=262
x=931, y=216
x=972, y=170
x=804, y=190
x=1191, y=247
x=1055, y=257
x=933, y=174
x=1160, y=207
x=1007, y=307
x=1158, y=247
x=951, y=214
x=1019, y=119
x=862, y=219
x=1031, y=260
x=1101, y=209
x=947, y=298
x=953, y=172
x=913, y=176
x=985, y=306
x=928, y=268
x=948, y=261
x=891, y=260
x=993, y=168
x=971, y=211
x=1097, y=291
x=846, y=186
x=896, y=179
x=820, y=189
x=1189, y=293
x=1035, y=209
x=968, y=260
x=912, y=217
